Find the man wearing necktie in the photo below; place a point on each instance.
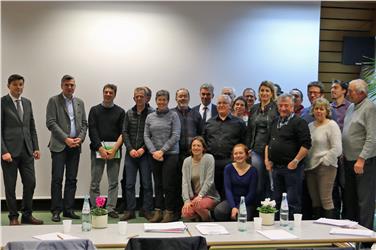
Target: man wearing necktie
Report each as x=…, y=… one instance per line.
x=206, y=109
x=19, y=148
x=66, y=119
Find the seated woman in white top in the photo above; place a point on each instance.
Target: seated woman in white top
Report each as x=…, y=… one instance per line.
x=198, y=189
x=321, y=168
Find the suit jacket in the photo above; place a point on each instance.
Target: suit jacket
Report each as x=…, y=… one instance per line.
x=14, y=131
x=57, y=121
x=214, y=111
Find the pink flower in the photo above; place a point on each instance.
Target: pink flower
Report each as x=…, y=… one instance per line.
x=100, y=201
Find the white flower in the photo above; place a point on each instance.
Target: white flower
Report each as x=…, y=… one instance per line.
x=273, y=203
x=268, y=202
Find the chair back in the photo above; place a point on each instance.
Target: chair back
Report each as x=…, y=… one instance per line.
x=79, y=244
x=181, y=243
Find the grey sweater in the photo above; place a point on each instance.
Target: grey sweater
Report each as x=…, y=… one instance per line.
x=206, y=178
x=359, y=132
x=162, y=132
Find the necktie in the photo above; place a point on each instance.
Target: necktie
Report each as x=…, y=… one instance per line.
x=205, y=113
x=19, y=109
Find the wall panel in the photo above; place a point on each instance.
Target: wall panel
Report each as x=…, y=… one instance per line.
x=339, y=19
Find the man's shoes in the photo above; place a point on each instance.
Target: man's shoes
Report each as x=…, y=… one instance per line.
x=14, y=221
x=56, y=217
x=128, y=215
x=72, y=215
x=148, y=215
x=168, y=216
x=31, y=220
x=113, y=214
x=157, y=217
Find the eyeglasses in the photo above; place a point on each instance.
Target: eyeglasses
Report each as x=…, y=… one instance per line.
x=249, y=96
x=314, y=92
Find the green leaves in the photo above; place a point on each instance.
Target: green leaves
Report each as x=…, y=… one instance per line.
x=369, y=75
x=267, y=209
x=98, y=211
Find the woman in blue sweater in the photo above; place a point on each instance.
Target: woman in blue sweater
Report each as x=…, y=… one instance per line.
x=161, y=136
x=240, y=179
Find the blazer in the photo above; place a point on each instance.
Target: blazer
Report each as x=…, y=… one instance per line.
x=214, y=111
x=57, y=121
x=14, y=131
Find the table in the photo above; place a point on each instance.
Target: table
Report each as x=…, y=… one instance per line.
x=104, y=238
x=308, y=233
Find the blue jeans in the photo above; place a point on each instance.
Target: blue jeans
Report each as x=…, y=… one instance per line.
x=265, y=179
x=131, y=167
x=291, y=182
x=97, y=168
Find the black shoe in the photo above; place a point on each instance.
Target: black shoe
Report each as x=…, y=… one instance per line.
x=56, y=217
x=71, y=215
x=113, y=214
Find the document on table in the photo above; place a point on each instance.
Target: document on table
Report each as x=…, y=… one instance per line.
x=338, y=223
x=211, y=229
x=170, y=227
x=55, y=236
x=277, y=234
x=355, y=232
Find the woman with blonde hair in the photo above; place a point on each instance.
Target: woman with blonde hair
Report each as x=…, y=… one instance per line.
x=321, y=168
x=258, y=130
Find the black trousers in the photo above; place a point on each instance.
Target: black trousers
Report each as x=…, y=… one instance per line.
x=67, y=160
x=24, y=163
x=165, y=182
x=359, y=195
x=220, y=165
x=182, y=156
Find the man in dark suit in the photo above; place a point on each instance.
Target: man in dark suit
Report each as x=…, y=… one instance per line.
x=206, y=109
x=66, y=119
x=19, y=148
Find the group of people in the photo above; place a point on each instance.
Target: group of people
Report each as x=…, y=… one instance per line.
x=203, y=158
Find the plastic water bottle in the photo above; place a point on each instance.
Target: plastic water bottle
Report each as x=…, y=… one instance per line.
x=242, y=215
x=284, y=211
x=85, y=216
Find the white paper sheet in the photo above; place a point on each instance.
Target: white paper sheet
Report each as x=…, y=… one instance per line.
x=172, y=227
x=277, y=234
x=338, y=223
x=211, y=229
x=348, y=231
x=55, y=236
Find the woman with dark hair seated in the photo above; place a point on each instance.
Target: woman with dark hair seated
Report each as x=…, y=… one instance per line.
x=198, y=189
x=240, y=179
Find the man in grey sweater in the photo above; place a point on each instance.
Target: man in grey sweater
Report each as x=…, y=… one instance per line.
x=359, y=148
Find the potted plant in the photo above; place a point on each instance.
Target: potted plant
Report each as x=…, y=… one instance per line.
x=369, y=75
x=99, y=215
x=267, y=211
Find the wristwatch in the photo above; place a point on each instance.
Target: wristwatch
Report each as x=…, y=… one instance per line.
x=296, y=161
